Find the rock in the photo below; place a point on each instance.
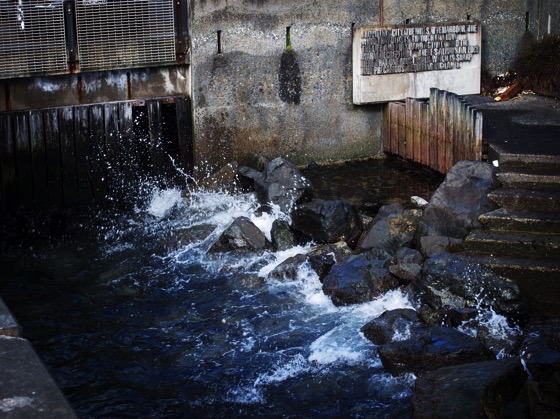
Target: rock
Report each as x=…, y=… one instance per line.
x=392, y=325
x=357, y=279
x=289, y=268
x=224, y=179
x=456, y=205
x=281, y=235
x=184, y=236
x=241, y=236
x=323, y=257
x=448, y=282
x=541, y=353
x=432, y=245
x=431, y=348
x=392, y=228
x=250, y=178
x=405, y=272
x=408, y=255
x=283, y=185
x=476, y=390
x=327, y=222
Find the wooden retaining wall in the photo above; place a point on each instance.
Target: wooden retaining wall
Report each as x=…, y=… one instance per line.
x=75, y=155
x=437, y=133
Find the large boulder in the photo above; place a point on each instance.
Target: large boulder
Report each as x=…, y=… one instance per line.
x=431, y=348
x=456, y=205
x=282, y=184
x=357, y=279
x=447, y=282
x=323, y=257
x=327, y=222
x=476, y=390
x=282, y=236
x=393, y=228
x=242, y=236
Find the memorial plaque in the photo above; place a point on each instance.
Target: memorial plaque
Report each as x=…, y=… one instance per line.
x=396, y=62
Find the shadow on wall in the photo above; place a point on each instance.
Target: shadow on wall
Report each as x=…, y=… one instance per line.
x=290, y=78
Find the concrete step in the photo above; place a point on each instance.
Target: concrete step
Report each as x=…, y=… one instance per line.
x=515, y=159
x=536, y=222
x=538, y=280
x=526, y=200
x=530, y=177
x=522, y=245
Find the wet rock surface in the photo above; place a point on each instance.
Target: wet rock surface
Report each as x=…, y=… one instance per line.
x=327, y=222
x=241, y=236
x=448, y=282
x=454, y=208
x=474, y=390
x=431, y=348
x=358, y=279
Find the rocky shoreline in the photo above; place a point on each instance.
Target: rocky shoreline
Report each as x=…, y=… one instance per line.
x=463, y=366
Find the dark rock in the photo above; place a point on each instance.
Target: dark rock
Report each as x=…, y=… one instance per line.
x=456, y=205
x=283, y=185
x=392, y=228
x=250, y=178
x=323, y=257
x=431, y=348
x=224, y=179
x=405, y=272
x=241, y=236
x=281, y=235
x=408, y=255
x=476, y=390
x=357, y=279
x=432, y=245
x=541, y=353
x=327, y=221
x=448, y=282
x=289, y=268
x=456, y=316
x=392, y=325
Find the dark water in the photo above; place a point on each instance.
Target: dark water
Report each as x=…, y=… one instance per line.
x=133, y=319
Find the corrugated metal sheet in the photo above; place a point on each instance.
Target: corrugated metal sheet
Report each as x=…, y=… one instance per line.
x=32, y=38
x=115, y=34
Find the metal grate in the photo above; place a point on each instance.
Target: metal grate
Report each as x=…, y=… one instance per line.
x=116, y=34
x=32, y=38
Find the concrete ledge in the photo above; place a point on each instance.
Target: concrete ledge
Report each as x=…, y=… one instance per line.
x=26, y=388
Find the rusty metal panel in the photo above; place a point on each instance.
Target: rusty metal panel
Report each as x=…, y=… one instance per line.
x=115, y=34
x=32, y=38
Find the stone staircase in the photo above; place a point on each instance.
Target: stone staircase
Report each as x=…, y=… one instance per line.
x=521, y=239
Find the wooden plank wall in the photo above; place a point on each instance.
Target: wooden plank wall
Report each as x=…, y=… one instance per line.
x=437, y=133
x=72, y=156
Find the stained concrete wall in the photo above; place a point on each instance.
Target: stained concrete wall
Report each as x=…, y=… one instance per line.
x=254, y=97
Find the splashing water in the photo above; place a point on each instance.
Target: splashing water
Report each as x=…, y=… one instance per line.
x=154, y=326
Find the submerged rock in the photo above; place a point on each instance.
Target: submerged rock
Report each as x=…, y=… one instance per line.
x=475, y=390
x=327, y=222
x=431, y=348
x=456, y=205
x=447, y=282
x=241, y=236
x=358, y=279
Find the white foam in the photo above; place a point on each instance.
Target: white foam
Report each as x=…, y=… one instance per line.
x=163, y=201
x=284, y=370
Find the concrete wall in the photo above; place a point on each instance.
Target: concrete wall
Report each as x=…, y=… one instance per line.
x=254, y=97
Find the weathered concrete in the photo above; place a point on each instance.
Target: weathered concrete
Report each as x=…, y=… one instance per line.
x=26, y=388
